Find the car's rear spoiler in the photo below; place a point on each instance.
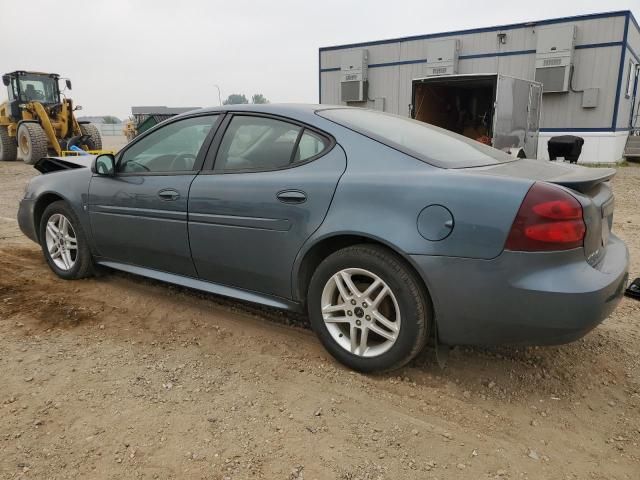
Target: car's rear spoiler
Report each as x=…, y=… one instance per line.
x=584, y=180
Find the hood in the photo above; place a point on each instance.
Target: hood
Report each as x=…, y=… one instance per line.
x=55, y=164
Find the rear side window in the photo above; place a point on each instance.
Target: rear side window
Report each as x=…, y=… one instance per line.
x=260, y=143
x=309, y=146
x=433, y=145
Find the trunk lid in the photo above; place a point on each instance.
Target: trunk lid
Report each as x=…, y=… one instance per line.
x=589, y=185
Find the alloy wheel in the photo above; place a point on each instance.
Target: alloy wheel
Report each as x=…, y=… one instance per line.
x=62, y=243
x=360, y=312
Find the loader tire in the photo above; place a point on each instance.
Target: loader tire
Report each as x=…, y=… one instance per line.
x=95, y=140
x=32, y=143
x=8, y=147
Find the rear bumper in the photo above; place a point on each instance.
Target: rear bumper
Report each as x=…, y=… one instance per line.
x=26, y=217
x=523, y=298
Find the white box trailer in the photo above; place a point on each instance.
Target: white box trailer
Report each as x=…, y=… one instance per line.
x=495, y=109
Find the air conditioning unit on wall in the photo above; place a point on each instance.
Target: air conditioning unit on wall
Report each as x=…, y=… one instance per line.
x=554, y=57
x=353, y=76
x=442, y=57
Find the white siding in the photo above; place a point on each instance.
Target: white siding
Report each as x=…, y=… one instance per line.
x=594, y=67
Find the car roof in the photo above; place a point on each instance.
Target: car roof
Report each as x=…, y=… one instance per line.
x=300, y=111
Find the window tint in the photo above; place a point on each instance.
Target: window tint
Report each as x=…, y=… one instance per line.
x=430, y=144
x=13, y=90
x=172, y=148
x=38, y=87
x=257, y=143
x=309, y=146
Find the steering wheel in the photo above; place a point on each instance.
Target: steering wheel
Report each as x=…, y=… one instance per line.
x=183, y=161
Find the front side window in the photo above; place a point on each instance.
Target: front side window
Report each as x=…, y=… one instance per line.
x=38, y=88
x=13, y=90
x=171, y=148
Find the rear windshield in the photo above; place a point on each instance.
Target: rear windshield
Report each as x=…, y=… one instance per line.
x=433, y=145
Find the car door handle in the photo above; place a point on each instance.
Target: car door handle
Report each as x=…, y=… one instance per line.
x=168, y=194
x=291, y=196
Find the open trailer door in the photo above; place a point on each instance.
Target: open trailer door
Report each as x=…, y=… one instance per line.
x=517, y=115
x=533, y=123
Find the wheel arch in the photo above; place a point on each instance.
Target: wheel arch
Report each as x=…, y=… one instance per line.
x=25, y=121
x=41, y=204
x=312, y=254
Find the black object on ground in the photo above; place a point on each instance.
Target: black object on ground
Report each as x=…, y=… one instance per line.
x=633, y=290
x=567, y=146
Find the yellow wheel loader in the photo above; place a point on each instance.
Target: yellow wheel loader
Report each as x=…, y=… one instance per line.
x=38, y=120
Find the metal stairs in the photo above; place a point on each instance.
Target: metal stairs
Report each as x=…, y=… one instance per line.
x=632, y=148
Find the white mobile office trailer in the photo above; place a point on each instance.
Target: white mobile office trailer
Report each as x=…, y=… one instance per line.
x=588, y=66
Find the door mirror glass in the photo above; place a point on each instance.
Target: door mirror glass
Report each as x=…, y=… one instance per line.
x=6, y=80
x=104, y=165
x=68, y=83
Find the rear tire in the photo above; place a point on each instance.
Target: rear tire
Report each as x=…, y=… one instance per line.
x=60, y=225
x=394, y=325
x=32, y=143
x=94, y=142
x=8, y=147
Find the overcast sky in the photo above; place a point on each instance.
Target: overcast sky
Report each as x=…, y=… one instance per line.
x=167, y=52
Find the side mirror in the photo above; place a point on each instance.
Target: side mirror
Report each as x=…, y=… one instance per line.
x=104, y=164
x=68, y=83
x=6, y=80
x=77, y=107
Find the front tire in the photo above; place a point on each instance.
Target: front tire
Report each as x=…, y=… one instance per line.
x=368, y=308
x=32, y=143
x=64, y=242
x=94, y=142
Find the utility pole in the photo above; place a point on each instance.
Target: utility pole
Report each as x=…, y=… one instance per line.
x=219, y=95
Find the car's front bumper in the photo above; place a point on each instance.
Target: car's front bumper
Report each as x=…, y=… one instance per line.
x=26, y=218
x=523, y=298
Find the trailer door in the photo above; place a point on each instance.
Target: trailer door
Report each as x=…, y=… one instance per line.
x=517, y=112
x=533, y=120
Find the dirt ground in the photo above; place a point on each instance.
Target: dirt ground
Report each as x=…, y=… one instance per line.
x=120, y=377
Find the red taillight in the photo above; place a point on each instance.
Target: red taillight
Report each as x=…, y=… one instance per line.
x=549, y=219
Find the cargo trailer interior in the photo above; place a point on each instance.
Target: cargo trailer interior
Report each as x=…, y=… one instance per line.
x=462, y=105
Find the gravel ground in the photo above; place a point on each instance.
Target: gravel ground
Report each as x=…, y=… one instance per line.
x=119, y=377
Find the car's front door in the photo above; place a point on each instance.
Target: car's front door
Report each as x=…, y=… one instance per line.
x=270, y=187
x=139, y=216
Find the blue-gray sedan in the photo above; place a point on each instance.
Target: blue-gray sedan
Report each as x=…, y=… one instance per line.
x=388, y=231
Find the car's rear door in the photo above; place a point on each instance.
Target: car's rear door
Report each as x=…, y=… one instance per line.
x=139, y=216
x=269, y=188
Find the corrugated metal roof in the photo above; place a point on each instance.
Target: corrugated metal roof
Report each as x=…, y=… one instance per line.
x=145, y=122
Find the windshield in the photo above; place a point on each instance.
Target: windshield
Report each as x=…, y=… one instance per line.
x=433, y=145
x=39, y=88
